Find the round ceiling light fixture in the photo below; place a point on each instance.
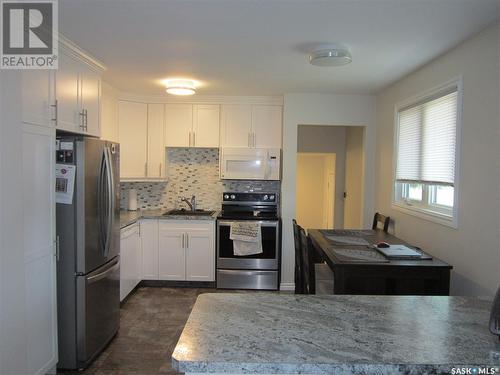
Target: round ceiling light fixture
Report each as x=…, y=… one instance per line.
x=330, y=56
x=180, y=86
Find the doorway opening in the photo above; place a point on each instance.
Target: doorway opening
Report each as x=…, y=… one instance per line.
x=316, y=190
x=330, y=176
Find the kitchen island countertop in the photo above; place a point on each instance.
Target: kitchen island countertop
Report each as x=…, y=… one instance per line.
x=265, y=333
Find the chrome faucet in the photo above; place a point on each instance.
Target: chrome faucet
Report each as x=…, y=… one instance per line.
x=190, y=202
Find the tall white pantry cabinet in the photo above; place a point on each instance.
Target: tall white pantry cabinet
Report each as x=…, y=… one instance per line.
x=29, y=111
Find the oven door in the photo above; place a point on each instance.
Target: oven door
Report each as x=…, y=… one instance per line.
x=267, y=260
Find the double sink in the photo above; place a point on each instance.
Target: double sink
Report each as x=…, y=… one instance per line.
x=184, y=212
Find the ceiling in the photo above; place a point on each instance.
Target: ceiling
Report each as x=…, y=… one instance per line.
x=260, y=47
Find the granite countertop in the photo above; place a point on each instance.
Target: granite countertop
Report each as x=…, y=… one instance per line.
x=130, y=217
x=264, y=333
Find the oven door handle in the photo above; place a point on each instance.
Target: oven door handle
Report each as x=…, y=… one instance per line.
x=267, y=224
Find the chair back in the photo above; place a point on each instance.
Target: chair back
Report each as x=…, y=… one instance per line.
x=384, y=220
x=309, y=280
x=299, y=284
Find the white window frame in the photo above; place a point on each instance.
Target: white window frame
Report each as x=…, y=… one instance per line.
x=426, y=211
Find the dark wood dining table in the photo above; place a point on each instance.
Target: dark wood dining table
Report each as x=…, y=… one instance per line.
x=374, y=273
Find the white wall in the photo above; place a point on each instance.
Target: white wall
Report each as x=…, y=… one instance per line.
x=321, y=109
x=354, y=167
x=109, y=113
x=473, y=249
x=331, y=139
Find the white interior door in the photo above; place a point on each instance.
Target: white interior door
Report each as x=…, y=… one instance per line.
x=38, y=145
x=156, y=138
x=178, y=125
x=132, y=119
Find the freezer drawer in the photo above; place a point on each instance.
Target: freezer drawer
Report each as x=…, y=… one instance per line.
x=243, y=279
x=98, y=310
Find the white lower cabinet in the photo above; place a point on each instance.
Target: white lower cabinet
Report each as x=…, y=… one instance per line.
x=149, y=243
x=130, y=259
x=186, y=250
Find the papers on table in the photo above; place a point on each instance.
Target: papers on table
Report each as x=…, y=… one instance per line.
x=360, y=255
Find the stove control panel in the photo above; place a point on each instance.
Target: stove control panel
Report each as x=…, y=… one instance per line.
x=249, y=197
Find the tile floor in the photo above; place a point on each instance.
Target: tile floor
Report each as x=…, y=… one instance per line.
x=151, y=322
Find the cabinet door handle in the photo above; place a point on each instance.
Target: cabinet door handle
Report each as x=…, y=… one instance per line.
x=182, y=241
x=253, y=139
x=194, y=139
x=86, y=120
x=145, y=169
x=249, y=142
x=187, y=241
x=82, y=117
x=55, y=111
x=159, y=171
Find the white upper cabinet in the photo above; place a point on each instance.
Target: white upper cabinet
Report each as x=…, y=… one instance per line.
x=78, y=91
x=38, y=91
x=267, y=126
x=178, y=125
x=206, y=126
x=141, y=130
x=251, y=126
x=188, y=125
x=69, y=116
x=156, y=145
x=109, y=113
x=90, y=83
x=133, y=122
x=236, y=124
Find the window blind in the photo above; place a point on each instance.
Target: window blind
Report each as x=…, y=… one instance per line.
x=427, y=140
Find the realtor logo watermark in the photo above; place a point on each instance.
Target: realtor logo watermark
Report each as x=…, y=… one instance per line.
x=28, y=34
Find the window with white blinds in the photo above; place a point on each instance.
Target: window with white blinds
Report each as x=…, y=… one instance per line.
x=426, y=141
x=427, y=135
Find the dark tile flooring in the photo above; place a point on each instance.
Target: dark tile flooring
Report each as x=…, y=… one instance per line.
x=151, y=322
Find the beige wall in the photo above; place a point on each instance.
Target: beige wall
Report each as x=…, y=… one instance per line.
x=321, y=109
x=354, y=166
x=474, y=248
x=109, y=113
x=314, y=138
x=312, y=189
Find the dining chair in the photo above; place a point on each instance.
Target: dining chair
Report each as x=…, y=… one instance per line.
x=308, y=277
x=299, y=284
x=379, y=218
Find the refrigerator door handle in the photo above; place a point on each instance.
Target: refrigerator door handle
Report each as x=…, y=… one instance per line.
x=101, y=201
x=101, y=275
x=110, y=200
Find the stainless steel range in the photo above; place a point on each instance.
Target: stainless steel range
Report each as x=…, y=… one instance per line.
x=257, y=271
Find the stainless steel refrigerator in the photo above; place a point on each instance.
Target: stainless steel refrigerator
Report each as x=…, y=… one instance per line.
x=88, y=232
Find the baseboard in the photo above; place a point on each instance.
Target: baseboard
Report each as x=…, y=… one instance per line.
x=286, y=287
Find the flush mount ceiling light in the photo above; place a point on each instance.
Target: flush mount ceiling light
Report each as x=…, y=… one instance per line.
x=330, y=56
x=180, y=86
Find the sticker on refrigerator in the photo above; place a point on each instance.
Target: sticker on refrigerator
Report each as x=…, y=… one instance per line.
x=65, y=183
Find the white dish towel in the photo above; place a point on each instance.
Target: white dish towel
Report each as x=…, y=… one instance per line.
x=247, y=238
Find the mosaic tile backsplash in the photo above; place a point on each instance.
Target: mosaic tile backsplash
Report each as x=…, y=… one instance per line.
x=191, y=171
